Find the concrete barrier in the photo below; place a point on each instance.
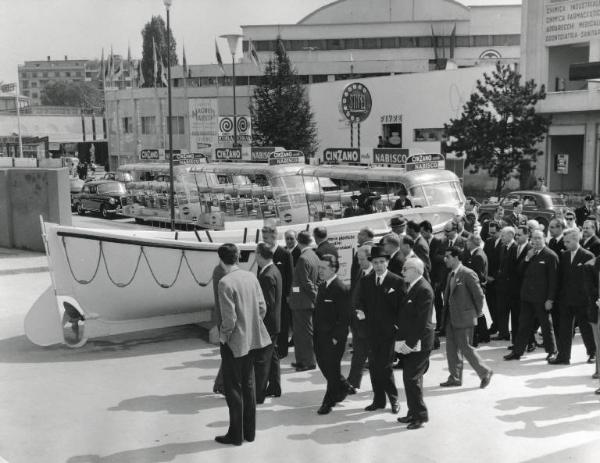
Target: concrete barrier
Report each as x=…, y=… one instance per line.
x=27, y=193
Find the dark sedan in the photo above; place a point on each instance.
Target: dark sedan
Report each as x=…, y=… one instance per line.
x=103, y=196
x=541, y=206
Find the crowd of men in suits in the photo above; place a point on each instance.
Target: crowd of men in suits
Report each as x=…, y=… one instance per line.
x=529, y=281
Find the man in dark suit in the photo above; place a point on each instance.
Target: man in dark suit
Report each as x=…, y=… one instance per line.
x=591, y=285
x=323, y=245
x=266, y=366
x=415, y=337
x=398, y=225
x=516, y=218
x=283, y=261
x=291, y=245
x=391, y=244
x=379, y=303
x=584, y=211
x=589, y=240
x=572, y=301
x=492, y=251
x=331, y=320
x=475, y=259
x=438, y=268
x=302, y=303
x=358, y=325
x=556, y=243
x=538, y=293
x=354, y=209
x=402, y=202
x=364, y=237
x=463, y=304
x=518, y=254
x=421, y=246
x=503, y=278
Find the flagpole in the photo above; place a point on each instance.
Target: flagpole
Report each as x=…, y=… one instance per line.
x=170, y=117
x=18, y=117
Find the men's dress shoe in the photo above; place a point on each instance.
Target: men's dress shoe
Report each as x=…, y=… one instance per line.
x=350, y=389
x=591, y=359
x=405, y=419
x=306, y=367
x=373, y=407
x=227, y=440
x=531, y=347
x=595, y=376
x=558, y=361
x=324, y=409
x=485, y=381
x=416, y=424
x=485, y=340
x=249, y=439
x=296, y=364
x=501, y=338
x=597, y=391
x=272, y=394
x=511, y=347
x=551, y=355
x=451, y=383
x=512, y=356
x=219, y=390
x=395, y=408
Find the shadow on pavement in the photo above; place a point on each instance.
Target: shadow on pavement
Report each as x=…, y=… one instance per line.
x=161, y=453
x=176, y=404
x=178, y=339
x=544, y=408
x=582, y=454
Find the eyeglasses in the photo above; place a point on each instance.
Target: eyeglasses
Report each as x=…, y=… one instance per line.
x=569, y=218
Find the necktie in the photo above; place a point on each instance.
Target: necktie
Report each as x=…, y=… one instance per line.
x=379, y=281
x=452, y=274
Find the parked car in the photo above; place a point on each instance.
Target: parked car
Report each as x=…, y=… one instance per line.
x=538, y=205
x=103, y=196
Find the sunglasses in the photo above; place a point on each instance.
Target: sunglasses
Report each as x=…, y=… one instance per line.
x=569, y=218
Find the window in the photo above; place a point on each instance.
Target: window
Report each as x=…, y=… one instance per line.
x=335, y=44
x=25, y=84
x=388, y=42
x=78, y=74
x=26, y=92
x=178, y=125
x=33, y=84
x=482, y=40
x=529, y=201
x=428, y=134
x=127, y=126
x=34, y=74
x=148, y=125
x=34, y=95
x=506, y=40
x=68, y=74
x=424, y=42
x=370, y=43
x=44, y=74
x=352, y=43
x=408, y=42
x=56, y=73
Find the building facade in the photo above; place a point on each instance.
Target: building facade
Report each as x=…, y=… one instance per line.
x=561, y=50
x=368, y=38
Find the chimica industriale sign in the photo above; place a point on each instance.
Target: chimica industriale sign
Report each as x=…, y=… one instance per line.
x=570, y=21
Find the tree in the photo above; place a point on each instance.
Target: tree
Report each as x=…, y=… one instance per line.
x=80, y=94
x=157, y=29
x=280, y=110
x=499, y=128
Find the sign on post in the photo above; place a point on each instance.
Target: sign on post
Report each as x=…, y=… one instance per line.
x=261, y=153
x=356, y=102
x=397, y=156
x=149, y=155
x=228, y=154
x=425, y=161
x=341, y=155
x=286, y=157
x=244, y=129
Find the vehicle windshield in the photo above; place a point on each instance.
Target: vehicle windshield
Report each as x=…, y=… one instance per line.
x=439, y=194
x=111, y=189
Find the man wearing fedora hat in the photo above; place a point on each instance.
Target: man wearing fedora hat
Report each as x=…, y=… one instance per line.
x=398, y=225
x=584, y=211
x=379, y=303
x=354, y=209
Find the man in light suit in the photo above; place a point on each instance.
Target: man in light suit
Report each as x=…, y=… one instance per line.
x=538, y=293
x=463, y=299
x=572, y=301
x=331, y=320
x=475, y=259
x=243, y=336
x=302, y=303
x=266, y=367
x=589, y=240
x=379, y=302
x=415, y=337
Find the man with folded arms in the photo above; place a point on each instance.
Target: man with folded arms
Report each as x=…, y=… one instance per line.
x=331, y=320
x=463, y=299
x=415, y=337
x=379, y=302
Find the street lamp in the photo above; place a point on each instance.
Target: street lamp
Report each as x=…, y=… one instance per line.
x=232, y=41
x=170, y=117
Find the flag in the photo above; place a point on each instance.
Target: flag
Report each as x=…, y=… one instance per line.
x=163, y=74
x=117, y=69
x=101, y=68
x=185, y=68
x=140, y=74
x=110, y=70
x=434, y=44
x=219, y=59
x=252, y=53
x=155, y=62
x=452, y=42
x=280, y=45
x=129, y=64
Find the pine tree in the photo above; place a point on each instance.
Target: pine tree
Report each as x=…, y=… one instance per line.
x=499, y=129
x=280, y=110
x=156, y=28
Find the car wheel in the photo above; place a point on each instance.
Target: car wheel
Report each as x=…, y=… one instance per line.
x=103, y=212
x=80, y=209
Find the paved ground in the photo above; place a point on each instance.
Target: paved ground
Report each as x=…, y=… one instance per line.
x=147, y=398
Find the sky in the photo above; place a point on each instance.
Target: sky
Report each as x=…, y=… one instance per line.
x=33, y=29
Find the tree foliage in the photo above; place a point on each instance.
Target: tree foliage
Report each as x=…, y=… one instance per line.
x=499, y=129
x=280, y=110
x=80, y=94
x=156, y=28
